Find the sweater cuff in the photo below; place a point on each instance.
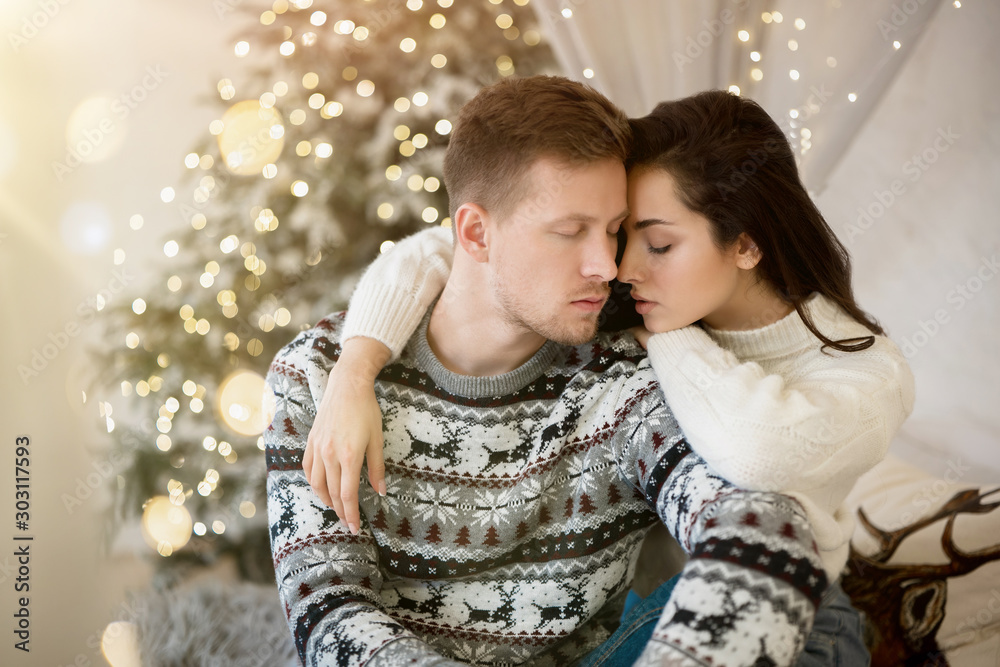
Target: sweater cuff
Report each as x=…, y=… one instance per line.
x=672, y=346
x=390, y=316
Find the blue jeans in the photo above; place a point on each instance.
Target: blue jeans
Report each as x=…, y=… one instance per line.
x=836, y=638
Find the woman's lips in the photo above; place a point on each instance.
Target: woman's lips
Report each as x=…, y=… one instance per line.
x=642, y=306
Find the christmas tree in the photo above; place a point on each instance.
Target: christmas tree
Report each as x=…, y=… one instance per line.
x=324, y=152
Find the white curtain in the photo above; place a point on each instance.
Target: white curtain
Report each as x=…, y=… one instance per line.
x=818, y=67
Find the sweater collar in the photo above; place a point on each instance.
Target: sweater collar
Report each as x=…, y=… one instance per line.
x=787, y=335
x=473, y=386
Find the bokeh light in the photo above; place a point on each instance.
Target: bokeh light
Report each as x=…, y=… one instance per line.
x=166, y=527
x=85, y=227
x=246, y=404
x=120, y=644
x=252, y=137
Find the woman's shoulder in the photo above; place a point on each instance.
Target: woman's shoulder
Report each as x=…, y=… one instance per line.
x=837, y=324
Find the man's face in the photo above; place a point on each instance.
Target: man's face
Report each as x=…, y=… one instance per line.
x=551, y=259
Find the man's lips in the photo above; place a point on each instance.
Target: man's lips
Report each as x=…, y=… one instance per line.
x=591, y=303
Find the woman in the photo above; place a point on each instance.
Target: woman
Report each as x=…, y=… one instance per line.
x=776, y=376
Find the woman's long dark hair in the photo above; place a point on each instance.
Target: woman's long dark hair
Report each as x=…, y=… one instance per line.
x=732, y=164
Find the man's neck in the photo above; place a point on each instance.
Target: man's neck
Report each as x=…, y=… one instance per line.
x=469, y=334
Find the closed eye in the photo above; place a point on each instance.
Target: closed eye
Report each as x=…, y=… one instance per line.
x=659, y=251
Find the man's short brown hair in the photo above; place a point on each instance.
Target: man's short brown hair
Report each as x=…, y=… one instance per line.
x=510, y=124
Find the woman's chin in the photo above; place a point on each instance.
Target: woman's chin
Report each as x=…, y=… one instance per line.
x=653, y=324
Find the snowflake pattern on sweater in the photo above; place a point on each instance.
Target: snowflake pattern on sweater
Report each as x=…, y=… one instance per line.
x=512, y=525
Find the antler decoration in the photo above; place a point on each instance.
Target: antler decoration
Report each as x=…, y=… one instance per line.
x=905, y=602
x=968, y=501
x=960, y=561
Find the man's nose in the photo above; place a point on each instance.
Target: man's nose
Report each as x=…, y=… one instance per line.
x=600, y=258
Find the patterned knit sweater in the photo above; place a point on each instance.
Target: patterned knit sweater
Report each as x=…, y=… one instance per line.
x=516, y=507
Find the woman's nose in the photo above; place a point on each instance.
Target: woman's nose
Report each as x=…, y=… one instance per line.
x=629, y=271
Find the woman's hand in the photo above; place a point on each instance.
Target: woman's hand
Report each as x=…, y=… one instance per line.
x=641, y=334
x=348, y=426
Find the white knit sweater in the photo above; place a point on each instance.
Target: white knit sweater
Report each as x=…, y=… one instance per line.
x=768, y=409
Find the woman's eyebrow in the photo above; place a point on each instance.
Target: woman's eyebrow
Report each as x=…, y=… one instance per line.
x=649, y=222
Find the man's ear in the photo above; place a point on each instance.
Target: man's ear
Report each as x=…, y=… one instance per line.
x=471, y=225
x=748, y=255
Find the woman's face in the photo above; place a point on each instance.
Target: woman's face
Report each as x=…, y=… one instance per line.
x=678, y=274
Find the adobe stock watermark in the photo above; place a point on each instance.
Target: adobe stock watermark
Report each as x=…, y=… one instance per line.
x=243, y=326
x=913, y=169
x=84, y=486
x=58, y=340
x=225, y=7
x=119, y=110
x=985, y=622
x=221, y=178
x=755, y=159
x=931, y=494
x=128, y=615
x=711, y=29
x=898, y=17
x=35, y=22
x=812, y=438
x=376, y=21
x=564, y=11
x=958, y=297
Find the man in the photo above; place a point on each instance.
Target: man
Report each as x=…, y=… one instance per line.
x=526, y=458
